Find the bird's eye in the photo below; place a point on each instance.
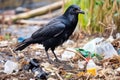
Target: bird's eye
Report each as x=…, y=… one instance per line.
x=75, y=9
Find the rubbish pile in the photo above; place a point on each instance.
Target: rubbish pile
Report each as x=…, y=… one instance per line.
x=97, y=59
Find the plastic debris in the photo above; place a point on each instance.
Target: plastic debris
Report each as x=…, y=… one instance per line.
x=3, y=43
x=91, y=67
x=88, y=54
x=101, y=47
x=20, y=39
x=117, y=35
x=84, y=52
x=91, y=46
x=36, y=69
x=10, y=66
x=107, y=49
x=110, y=39
x=68, y=54
x=81, y=64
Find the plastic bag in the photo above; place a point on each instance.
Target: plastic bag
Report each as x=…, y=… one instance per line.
x=99, y=46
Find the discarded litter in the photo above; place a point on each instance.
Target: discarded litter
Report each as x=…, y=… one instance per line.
x=84, y=52
x=20, y=39
x=36, y=69
x=107, y=49
x=81, y=64
x=117, y=35
x=68, y=54
x=91, y=45
x=110, y=39
x=10, y=66
x=99, y=46
x=88, y=54
x=3, y=43
x=91, y=67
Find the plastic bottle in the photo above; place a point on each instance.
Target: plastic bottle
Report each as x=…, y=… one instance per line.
x=91, y=67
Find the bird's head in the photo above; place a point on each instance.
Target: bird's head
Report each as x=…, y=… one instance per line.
x=74, y=10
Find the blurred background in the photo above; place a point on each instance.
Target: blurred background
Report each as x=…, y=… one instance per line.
x=30, y=4
x=102, y=18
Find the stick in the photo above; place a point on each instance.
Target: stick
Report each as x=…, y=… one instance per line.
x=43, y=22
x=59, y=76
x=35, y=12
x=78, y=55
x=88, y=76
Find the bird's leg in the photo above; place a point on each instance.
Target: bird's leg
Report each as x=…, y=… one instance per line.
x=47, y=55
x=56, y=59
x=46, y=50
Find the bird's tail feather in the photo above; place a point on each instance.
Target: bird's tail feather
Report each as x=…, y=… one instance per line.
x=23, y=44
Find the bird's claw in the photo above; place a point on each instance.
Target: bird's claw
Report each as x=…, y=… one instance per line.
x=57, y=60
x=50, y=61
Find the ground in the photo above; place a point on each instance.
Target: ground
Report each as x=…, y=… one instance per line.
x=64, y=70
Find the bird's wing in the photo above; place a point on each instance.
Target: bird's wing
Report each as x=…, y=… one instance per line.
x=51, y=30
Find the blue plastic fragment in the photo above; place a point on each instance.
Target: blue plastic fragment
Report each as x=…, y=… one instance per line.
x=20, y=39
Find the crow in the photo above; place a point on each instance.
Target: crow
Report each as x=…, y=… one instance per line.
x=56, y=32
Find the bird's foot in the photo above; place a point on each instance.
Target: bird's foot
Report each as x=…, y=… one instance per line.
x=50, y=61
x=57, y=60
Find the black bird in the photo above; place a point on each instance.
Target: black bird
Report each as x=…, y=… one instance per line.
x=56, y=32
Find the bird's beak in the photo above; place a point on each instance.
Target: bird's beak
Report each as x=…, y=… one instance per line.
x=80, y=11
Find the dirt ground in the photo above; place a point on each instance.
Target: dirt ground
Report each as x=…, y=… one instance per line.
x=107, y=69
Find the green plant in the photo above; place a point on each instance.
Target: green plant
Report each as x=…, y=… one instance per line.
x=100, y=14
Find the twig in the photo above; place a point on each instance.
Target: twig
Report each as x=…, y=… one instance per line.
x=59, y=76
x=78, y=54
x=33, y=22
x=88, y=76
x=104, y=75
x=35, y=12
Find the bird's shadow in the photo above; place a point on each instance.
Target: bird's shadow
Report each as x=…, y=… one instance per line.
x=64, y=64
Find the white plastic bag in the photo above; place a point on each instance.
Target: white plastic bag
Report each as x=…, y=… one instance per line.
x=107, y=49
x=91, y=46
x=10, y=66
x=99, y=46
x=68, y=54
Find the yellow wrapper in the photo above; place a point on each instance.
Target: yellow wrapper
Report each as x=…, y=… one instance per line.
x=92, y=71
